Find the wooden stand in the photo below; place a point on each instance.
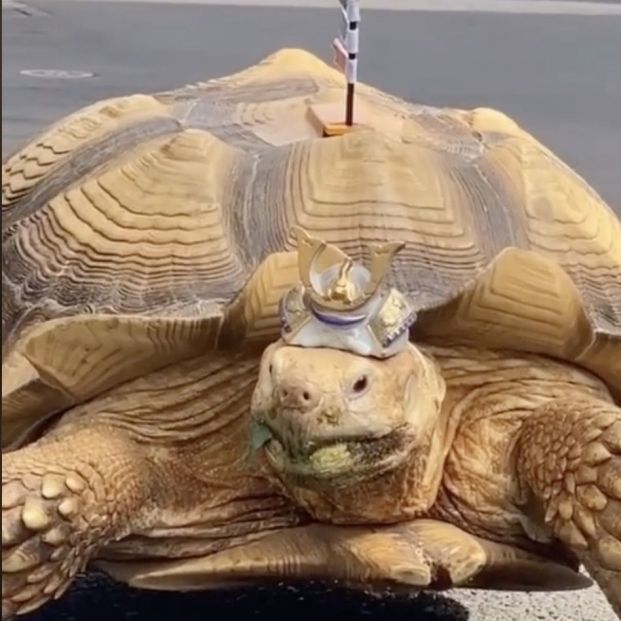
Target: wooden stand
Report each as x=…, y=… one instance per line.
x=328, y=119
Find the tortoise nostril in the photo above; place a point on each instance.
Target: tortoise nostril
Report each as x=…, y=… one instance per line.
x=297, y=396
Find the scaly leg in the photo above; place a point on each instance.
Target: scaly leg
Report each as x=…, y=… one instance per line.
x=62, y=499
x=568, y=460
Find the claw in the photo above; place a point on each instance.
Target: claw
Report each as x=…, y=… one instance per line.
x=591, y=497
x=68, y=507
x=40, y=574
x=75, y=483
x=38, y=522
x=609, y=552
x=53, y=585
x=595, y=453
x=52, y=486
x=13, y=494
x=609, y=479
x=26, y=593
x=34, y=514
x=13, y=528
x=18, y=561
x=57, y=536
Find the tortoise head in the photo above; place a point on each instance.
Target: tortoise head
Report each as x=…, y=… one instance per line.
x=344, y=397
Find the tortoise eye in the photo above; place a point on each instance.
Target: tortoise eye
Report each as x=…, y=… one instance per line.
x=360, y=385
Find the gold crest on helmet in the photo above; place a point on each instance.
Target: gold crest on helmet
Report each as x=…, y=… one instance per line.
x=344, y=305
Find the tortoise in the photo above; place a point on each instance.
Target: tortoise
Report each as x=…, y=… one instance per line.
x=243, y=342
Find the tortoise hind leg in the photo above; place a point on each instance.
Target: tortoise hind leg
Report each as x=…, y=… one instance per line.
x=62, y=499
x=568, y=460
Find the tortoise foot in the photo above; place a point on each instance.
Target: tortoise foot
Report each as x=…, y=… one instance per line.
x=569, y=457
x=63, y=498
x=44, y=543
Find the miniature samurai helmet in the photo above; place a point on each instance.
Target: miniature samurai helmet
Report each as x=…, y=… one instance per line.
x=344, y=305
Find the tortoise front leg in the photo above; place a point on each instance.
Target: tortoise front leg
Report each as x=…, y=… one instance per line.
x=569, y=462
x=62, y=499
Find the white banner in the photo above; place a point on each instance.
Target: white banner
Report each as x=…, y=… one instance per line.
x=346, y=45
x=352, y=9
x=349, y=34
x=340, y=55
x=351, y=71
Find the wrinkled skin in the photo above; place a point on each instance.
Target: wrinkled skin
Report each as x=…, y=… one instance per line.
x=347, y=431
x=511, y=448
x=336, y=417
x=451, y=461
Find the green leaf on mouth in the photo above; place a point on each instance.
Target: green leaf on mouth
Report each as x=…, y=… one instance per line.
x=260, y=435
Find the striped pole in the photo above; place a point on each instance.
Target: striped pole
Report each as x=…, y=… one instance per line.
x=346, y=51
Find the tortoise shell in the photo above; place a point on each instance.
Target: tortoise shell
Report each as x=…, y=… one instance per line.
x=146, y=229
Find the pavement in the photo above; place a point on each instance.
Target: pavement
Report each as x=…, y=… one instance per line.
x=96, y=598
x=557, y=73
x=553, y=65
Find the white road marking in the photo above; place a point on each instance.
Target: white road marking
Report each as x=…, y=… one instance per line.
x=62, y=74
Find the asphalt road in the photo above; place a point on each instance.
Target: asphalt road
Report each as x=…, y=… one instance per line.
x=556, y=71
x=557, y=74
